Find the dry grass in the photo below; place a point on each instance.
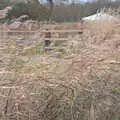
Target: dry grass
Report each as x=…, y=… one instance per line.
x=84, y=86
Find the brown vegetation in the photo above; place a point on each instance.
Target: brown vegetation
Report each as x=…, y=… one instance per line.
x=83, y=83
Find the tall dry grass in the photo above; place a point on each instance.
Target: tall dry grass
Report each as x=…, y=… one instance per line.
x=85, y=86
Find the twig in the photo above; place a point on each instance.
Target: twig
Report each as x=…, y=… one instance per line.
x=7, y=102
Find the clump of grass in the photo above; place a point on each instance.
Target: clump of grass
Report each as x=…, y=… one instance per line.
x=38, y=49
x=116, y=89
x=60, y=52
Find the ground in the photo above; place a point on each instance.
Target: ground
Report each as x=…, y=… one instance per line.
x=73, y=79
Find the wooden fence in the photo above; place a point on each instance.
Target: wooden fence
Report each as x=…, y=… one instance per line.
x=61, y=34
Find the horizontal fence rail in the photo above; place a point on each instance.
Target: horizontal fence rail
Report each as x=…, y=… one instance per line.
x=43, y=31
x=62, y=31
x=9, y=33
x=16, y=31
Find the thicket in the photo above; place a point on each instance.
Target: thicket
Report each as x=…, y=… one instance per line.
x=4, y=3
x=60, y=13
x=34, y=11
x=75, y=12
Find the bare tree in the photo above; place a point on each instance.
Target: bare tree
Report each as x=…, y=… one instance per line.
x=51, y=8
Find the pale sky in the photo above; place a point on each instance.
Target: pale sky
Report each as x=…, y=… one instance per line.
x=72, y=0
x=86, y=0
x=44, y=1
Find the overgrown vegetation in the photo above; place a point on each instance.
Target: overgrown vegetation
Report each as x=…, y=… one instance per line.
x=85, y=86
x=4, y=3
x=75, y=12
x=34, y=11
x=60, y=13
x=78, y=80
